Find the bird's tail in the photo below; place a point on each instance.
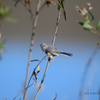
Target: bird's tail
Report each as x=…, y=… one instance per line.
x=68, y=54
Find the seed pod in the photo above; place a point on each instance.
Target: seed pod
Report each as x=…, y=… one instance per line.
x=38, y=70
x=90, y=7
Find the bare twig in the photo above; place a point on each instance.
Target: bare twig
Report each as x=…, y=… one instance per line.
x=55, y=96
x=31, y=77
x=29, y=9
x=86, y=70
x=55, y=34
x=42, y=79
x=35, y=68
x=17, y=2
x=31, y=45
x=47, y=2
x=56, y=29
x=23, y=91
x=90, y=81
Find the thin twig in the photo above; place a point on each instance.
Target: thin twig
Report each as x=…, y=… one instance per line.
x=56, y=29
x=35, y=68
x=94, y=28
x=46, y=2
x=55, y=34
x=31, y=45
x=29, y=9
x=55, y=96
x=85, y=72
x=42, y=6
x=90, y=82
x=42, y=79
x=23, y=91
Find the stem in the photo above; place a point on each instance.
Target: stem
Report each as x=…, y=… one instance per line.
x=86, y=70
x=23, y=91
x=36, y=67
x=94, y=28
x=55, y=96
x=42, y=79
x=31, y=46
x=53, y=41
x=56, y=29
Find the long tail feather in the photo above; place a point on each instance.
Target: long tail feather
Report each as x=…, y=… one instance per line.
x=68, y=54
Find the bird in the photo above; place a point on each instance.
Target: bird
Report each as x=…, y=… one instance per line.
x=51, y=50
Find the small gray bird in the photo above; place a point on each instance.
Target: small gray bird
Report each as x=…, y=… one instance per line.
x=52, y=50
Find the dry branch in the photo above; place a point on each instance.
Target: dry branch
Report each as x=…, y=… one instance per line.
x=53, y=41
x=31, y=45
x=86, y=70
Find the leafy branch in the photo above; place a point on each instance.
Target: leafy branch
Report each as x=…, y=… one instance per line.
x=27, y=4
x=4, y=15
x=53, y=41
x=88, y=24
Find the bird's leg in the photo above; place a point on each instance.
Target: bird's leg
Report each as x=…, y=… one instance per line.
x=51, y=57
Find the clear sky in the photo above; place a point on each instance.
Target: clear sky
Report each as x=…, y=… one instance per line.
x=64, y=73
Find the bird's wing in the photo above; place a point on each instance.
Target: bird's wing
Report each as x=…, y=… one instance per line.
x=57, y=51
x=52, y=50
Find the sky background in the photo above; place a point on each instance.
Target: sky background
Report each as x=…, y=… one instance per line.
x=64, y=73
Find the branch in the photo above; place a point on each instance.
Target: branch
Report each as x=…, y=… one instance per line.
x=30, y=78
x=86, y=70
x=53, y=41
x=24, y=4
x=35, y=68
x=56, y=29
x=94, y=29
x=93, y=26
x=47, y=2
x=42, y=79
x=23, y=91
x=55, y=96
x=31, y=46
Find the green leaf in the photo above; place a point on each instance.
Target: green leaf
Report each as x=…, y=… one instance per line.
x=93, y=32
x=81, y=23
x=34, y=60
x=7, y=11
x=13, y=20
x=1, y=12
x=2, y=43
x=98, y=26
x=87, y=26
x=91, y=16
x=86, y=16
x=59, y=6
x=62, y=1
x=87, y=22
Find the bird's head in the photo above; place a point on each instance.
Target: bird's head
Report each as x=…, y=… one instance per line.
x=43, y=45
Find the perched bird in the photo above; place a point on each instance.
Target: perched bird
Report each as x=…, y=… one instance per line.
x=51, y=50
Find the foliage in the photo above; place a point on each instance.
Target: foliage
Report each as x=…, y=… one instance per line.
x=4, y=15
x=88, y=24
x=2, y=44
